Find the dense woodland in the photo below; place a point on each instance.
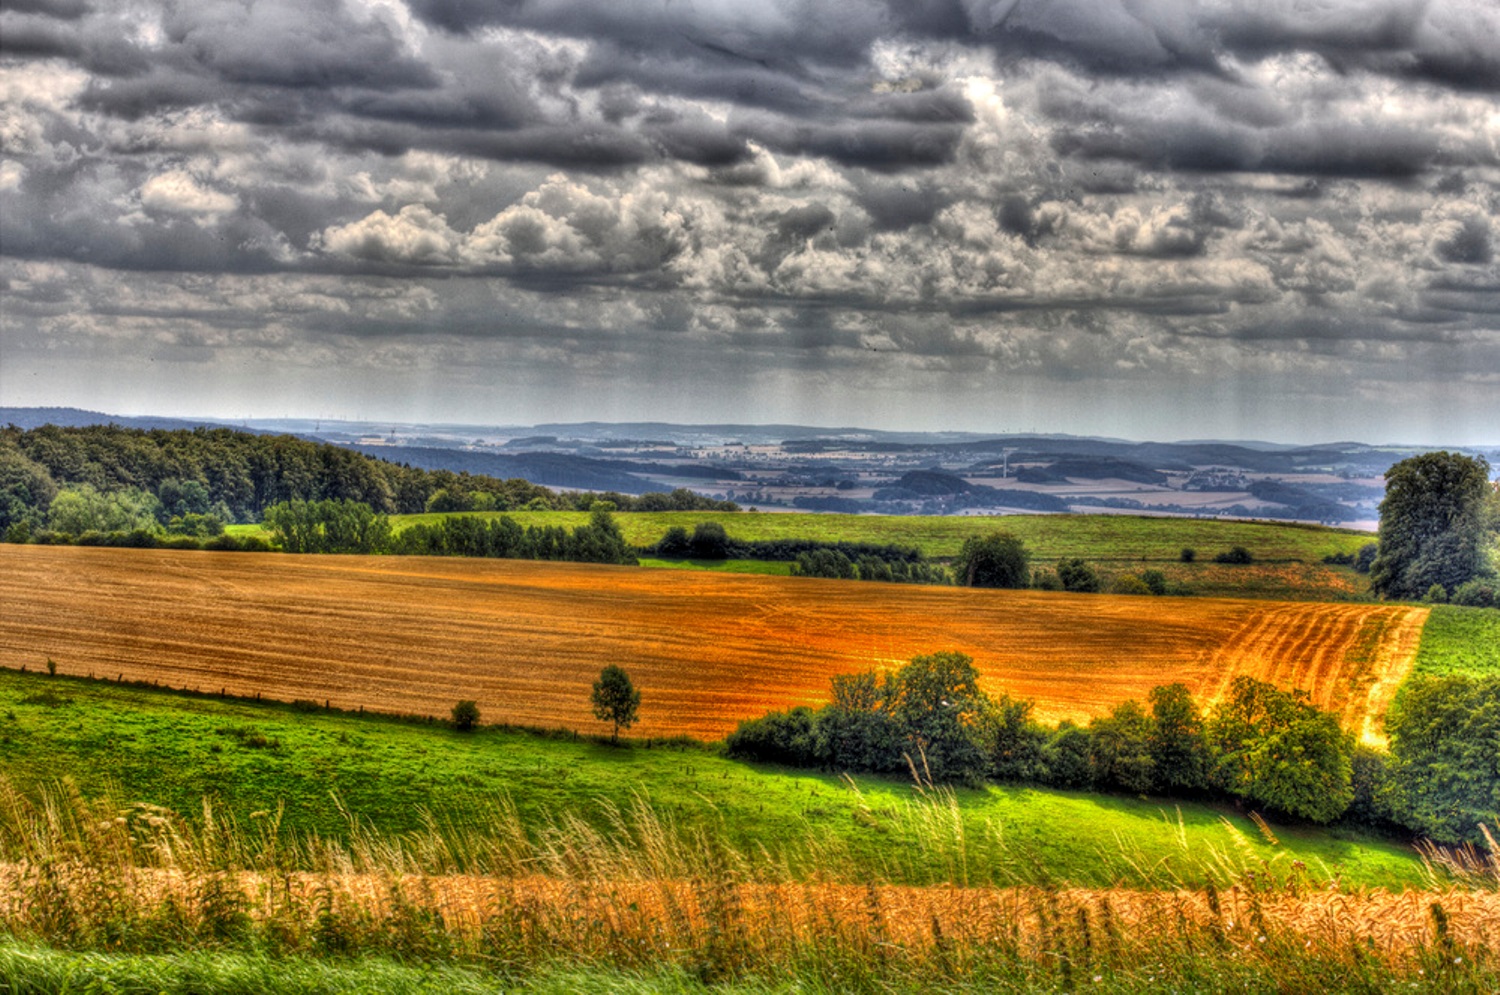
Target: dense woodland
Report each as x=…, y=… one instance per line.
x=112, y=479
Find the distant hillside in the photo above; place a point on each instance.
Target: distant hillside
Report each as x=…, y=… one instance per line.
x=78, y=418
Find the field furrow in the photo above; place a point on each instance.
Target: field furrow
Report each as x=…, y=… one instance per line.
x=526, y=639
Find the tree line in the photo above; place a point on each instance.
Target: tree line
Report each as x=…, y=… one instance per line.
x=1260, y=746
x=192, y=482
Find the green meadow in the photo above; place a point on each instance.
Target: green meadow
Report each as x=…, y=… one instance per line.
x=329, y=773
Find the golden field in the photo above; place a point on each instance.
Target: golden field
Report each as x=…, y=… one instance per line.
x=526, y=639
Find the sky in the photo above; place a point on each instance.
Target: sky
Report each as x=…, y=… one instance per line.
x=1137, y=218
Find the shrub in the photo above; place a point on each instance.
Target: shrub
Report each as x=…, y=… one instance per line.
x=1444, y=768
x=1078, y=577
x=1477, y=593
x=1188, y=554
x=1236, y=554
x=778, y=737
x=1046, y=580
x=1437, y=594
x=1129, y=584
x=465, y=715
x=1156, y=581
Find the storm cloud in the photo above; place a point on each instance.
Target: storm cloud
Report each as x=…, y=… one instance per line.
x=842, y=208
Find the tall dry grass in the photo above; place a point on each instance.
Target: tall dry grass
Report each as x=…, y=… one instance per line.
x=642, y=891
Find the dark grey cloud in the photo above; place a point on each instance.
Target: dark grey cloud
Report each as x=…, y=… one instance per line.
x=927, y=198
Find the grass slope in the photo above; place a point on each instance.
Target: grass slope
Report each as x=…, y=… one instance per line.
x=1459, y=642
x=172, y=750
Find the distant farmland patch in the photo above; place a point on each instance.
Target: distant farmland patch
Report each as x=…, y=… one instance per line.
x=526, y=639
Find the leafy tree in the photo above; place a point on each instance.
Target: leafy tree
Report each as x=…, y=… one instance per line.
x=84, y=508
x=1120, y=749
x=1129, y=584
x=1274, y=748
x=709, y=542
x=465, y=715
x=1066, y=757
x=1179, y=752
x=1155, y=581
x=790, y=738
x=1012, y=740
x=26, y=488
x=936, y=703
x=1078, y=577
x=334, y=526
x=1434, y=525
x=615, y=700
x=1445, y=757
x=674, y=543
x=997, y=559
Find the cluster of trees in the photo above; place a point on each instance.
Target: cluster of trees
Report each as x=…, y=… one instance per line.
x=1270, y=748
x=837, y=565
x=351, y=527
x=809, y=557
x=1000, y=559
x=109, y=479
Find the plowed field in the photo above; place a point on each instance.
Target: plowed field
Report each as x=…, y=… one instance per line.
x=526, y=640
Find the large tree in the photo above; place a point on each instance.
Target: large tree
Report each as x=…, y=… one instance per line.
x=1434, y=525
x=998, y=559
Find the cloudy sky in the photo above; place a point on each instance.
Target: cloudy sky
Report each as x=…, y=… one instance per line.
x=1144, y=218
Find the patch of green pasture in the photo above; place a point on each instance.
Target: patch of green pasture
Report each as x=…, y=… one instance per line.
x=141, y=745
x=767, y=567
x=1098, y=538
x=1458, y=641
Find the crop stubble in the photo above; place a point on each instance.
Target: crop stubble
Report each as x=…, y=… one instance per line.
x=526, y=639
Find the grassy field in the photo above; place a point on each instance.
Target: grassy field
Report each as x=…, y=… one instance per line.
x=329, y=770
x=1288, y=557
x=526, y=639
x=765, y=567
x=1459, y=641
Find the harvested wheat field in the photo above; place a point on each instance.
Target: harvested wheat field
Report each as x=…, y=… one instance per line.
x=527, y=639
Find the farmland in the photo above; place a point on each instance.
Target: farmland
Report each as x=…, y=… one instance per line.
x=1288, y=558
x=526, y=639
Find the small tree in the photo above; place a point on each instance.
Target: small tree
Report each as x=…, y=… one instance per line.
x=465, y=715
x=615, y=700
x=998, y=559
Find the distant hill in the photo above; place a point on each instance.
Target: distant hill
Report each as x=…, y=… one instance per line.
x=29, y=418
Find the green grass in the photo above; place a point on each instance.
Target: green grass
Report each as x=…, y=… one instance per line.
x=766, y=567
x=140, y=745
x=1459, y=641
x=36, y=969
x=1288, y=557
x=1100, y=538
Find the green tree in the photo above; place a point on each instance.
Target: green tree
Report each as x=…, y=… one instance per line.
x=936, y=702
x=1120, y=749
x=1435, y=525
x=1179, y=752
x=997, y=559
x=615, y=700
x=465, y=715
x=1274, y=748
x=1078, y=577
x=1445, y=757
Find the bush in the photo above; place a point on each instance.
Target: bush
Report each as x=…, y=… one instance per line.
x=1155, y=581
x=465, y=715
x=1237, y=554
x=778, y=737
x=1365, y=558
x=1437, y=594
x=1477, y=593
x=1078, y=577
x=1046, y=580
x=1129, y=584
x=709, y=541
x=1188, y=554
